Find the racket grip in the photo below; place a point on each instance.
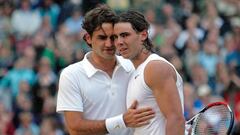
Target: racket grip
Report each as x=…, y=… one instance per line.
x=187, y=129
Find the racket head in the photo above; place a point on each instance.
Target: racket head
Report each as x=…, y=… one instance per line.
x=215, y=119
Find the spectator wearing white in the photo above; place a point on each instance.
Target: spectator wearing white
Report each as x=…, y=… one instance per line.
x=25, y=21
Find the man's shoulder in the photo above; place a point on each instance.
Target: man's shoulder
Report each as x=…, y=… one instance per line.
x=159, y=64
x=73, y=68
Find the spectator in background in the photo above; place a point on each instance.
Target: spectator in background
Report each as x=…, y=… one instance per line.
x=150, y=15
x=209, y=56
x=25, y=20
x=7, y=57
x=228, y=8
x=191, y=56
x=67, y=9
x=222, y=78
x=25, y=89
x=23, y=103
x=6, y=9
x=27, y=125
x=49, y=126
x=228, y=46
x=192, y=32
x=64, y=50
x=45, y=76
x=233, y=58
x=44, y=87
x=6, y=124
x=46, y=30
x=189, y=100
x=73, y=24
x=171, y=28
x=198, y=75
x=51, y=10
x=45, y=47
x=30, y=56
x=19, y=72
x=211, y=18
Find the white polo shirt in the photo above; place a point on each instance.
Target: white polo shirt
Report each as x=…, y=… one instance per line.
x=86, y=89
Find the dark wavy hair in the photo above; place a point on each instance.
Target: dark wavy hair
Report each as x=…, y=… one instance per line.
x=139, y=24
x=97, y=16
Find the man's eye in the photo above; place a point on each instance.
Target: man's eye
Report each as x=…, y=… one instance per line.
x=102, y=37
x=124, y=34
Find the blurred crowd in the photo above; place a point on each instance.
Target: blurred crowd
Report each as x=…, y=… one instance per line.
x=38, y=38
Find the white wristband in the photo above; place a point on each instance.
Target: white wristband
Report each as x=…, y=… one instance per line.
x=115, y=123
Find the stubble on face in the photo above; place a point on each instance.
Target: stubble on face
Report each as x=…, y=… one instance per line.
x=102, y=43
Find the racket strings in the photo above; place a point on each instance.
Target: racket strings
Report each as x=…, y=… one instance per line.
x=214, y=121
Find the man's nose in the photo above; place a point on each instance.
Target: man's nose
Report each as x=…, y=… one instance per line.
x=118, y=41
x=109, y=42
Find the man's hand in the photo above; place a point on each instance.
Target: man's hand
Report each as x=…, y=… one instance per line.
x=138, y=117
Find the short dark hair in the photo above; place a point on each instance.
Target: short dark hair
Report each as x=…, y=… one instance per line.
x=139, y=23
x=97, y=16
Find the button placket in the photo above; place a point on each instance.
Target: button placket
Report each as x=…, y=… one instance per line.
x=112, y=91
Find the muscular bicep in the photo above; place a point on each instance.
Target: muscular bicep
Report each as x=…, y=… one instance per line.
x=161, y=78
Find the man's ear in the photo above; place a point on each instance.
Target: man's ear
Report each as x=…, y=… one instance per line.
x=144, y=35
x=87, y=39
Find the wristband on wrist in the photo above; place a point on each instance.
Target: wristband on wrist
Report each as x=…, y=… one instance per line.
x=115, y=123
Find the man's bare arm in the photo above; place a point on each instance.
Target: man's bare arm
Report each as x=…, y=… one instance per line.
x=78, y=125
x=161, y=78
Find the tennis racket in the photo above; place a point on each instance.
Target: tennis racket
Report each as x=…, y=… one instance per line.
x=215, y=119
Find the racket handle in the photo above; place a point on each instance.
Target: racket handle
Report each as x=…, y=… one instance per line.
x=187, y=129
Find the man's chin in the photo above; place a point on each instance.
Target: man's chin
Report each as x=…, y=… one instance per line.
x=109, y=56
x=125, y=56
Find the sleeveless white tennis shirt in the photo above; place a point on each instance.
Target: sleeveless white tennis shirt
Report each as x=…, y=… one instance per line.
x=138, y=90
